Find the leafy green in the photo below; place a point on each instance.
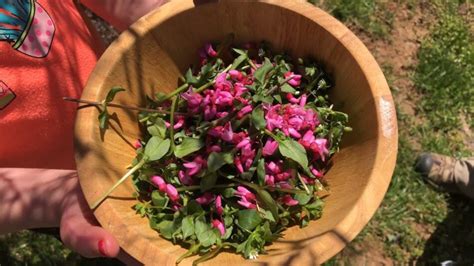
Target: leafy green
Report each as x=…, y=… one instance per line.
x=156, y=148
x=188, y=146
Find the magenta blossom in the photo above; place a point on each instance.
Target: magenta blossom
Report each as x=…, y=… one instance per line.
x=206, y=198
x=179, y=122
x=247, y=198
x=219, y=208
x=172, y=192
x=222, y=83
x=270, y=147
x=274, y=119
x=137, y=144
x=319, y=147
x=193, y=99
x=238, y=164
x=236, y=75
x=159, y=182
x=289, y=201
x=295, y=80
x=195, y=166
x=210, y=50
x=315, y=172
x=219, y=226
x=270, y=180
x=185, y=178
x=227, y=133
x=245, y=110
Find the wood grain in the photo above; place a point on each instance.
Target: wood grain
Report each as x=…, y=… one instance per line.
x=150, y=56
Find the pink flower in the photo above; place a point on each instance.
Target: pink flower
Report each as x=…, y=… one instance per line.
x=205, y=199
x=315, y=172
x=185, y=178
x=172, y=192
x=239, y=89
x=213, y=148
x=236, y=75
x=295, y=79
x=137, y=144
x=247, y=109
x=247, y=198
x=245, y=193
x=308, y=139
x=193, y=99
x=274, y=119
x=210, y=112
x=223, y=98
x=227, y=132
x=319, y=146
x=270, y=147
x=292, y=98
x=210, y=50
x=222, y=83
x=273, y=168
x=159, y=182
x=270, y=180
x=219, y=225
x=303, y=100
x=219, y=208
x=289, y=201
x=195, y=166
x=283, y=176
x=238, y=164
x=294, y=133
x=243, y=143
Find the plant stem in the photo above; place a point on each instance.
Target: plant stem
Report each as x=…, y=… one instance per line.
x=100, y=104
x=203, y=87
x=207, y=256
x=173, y=109
x=175, y=92
x=256, y=187
x=304, y=184
x=118, y=183
x=251, y=63
x=274, y=88
x=191, y=188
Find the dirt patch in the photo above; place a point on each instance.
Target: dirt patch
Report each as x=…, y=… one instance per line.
x=369, y=253
x=397, y=54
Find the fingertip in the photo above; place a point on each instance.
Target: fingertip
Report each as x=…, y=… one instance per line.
x=108, y=247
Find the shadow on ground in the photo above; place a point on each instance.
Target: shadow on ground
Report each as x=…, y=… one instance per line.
x=453, y=239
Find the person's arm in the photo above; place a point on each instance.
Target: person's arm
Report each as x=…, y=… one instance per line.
x=122, y=13
x=39, y=198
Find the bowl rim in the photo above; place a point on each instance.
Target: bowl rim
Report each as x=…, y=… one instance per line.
x=386, y=146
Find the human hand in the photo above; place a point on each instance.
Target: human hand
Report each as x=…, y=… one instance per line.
x=40, y=198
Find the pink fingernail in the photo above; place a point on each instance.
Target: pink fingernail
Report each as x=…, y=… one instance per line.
x=102, y=248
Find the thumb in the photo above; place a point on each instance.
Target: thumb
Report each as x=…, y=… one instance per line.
x=79, y=230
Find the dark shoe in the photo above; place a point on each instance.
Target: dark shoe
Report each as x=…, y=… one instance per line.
x=438, y=171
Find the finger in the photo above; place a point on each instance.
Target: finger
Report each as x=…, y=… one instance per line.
x=80, y=232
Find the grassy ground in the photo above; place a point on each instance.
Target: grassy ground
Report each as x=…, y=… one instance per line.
x=426, y=49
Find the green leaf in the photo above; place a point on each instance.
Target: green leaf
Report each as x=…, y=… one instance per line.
x=166, y=228
x=249, y=219
x=187, y=225
x=190, y=78
x=258, y=118
x=261, y=171
x=158, y=199
x=238, y=61
x=111, y=94
x=158, y=129
x=228, y=192
x=188, y=146
x=262, y=71
x=293, y=150
x=208, y=181
x=287, y=88
x=193, y=208
x=268, y=202
x=104, y=119
x=216, y=160
x=204, y=233
x=303, y=198
x=239, y=51
x=277, y=97
x=156, y=148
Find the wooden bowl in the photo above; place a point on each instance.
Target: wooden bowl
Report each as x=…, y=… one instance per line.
x=150, y=56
